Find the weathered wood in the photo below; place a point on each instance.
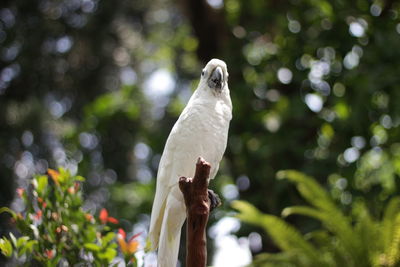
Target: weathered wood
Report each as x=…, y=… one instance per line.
x=199, y=201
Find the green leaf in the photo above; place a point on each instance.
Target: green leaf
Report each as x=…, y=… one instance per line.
x=309, y=189
x=109, y=254
x=80, y=178
x=92, y=247
x=90, y=234
x=393, y=250
x=107, y=238
x=247, y=212
x=283, y=234
x=13, y=239
x=6, y=247
x=284, y=259
x=22, y=241
x=329, y=214
x=64, y=177
x=41, y=184
x=12, y=213
x=28, y=247
x=303, y=210
x=35, y=231
x=388, y=221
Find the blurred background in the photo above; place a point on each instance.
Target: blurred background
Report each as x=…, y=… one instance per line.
x=95, y=86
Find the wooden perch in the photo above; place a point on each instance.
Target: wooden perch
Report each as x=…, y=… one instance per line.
x=199, y=202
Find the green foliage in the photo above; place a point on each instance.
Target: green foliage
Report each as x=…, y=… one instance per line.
x=285, y=236
x=356, y=239
x=53, y=226
x=74, y=80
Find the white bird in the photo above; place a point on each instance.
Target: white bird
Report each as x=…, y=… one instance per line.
x=201, y=130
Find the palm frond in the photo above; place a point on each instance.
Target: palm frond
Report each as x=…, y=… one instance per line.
x=282, y=259
x=283, y=234
x=309, y=189
x=327, y=212
x=393, y=250
x=388, y=220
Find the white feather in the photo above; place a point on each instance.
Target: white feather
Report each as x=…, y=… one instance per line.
x=201, y=130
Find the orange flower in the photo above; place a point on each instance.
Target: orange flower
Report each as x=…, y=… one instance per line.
x=104, y=218
x=54, y=175
x=130, y=247
x=71, y=190
x=88, y=216
x=20, y=192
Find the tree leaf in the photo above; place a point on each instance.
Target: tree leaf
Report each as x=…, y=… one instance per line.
x=6, y=247
x=92, y=247
x=22, y=241
x=11, y=212
x=109, y=254
x=41, y=184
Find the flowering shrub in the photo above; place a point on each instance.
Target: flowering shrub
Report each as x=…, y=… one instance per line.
x=54, y=228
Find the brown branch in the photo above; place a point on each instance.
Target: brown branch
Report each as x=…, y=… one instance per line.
x=199, y=201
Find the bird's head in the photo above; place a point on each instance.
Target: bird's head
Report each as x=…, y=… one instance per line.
x=215, y=75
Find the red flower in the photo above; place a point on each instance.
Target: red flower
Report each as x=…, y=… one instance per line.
x=130, y=247
x=40, y=200
x=38, y=215
x=49, y=253
x=104, y=218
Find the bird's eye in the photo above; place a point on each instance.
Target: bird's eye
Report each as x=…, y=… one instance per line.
x=202, y=73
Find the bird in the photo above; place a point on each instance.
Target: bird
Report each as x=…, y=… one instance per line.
x=200, y=131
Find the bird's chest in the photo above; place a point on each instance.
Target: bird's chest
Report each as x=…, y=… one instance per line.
x=207, y=126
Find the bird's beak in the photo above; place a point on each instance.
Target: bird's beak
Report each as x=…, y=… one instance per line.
x=216, y=79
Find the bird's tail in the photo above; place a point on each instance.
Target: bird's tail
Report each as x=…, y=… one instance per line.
x=168, y=246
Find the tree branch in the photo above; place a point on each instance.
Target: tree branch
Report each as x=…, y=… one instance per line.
x=199, y=201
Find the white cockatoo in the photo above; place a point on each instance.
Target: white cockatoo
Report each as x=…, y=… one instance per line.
x=201, y=130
